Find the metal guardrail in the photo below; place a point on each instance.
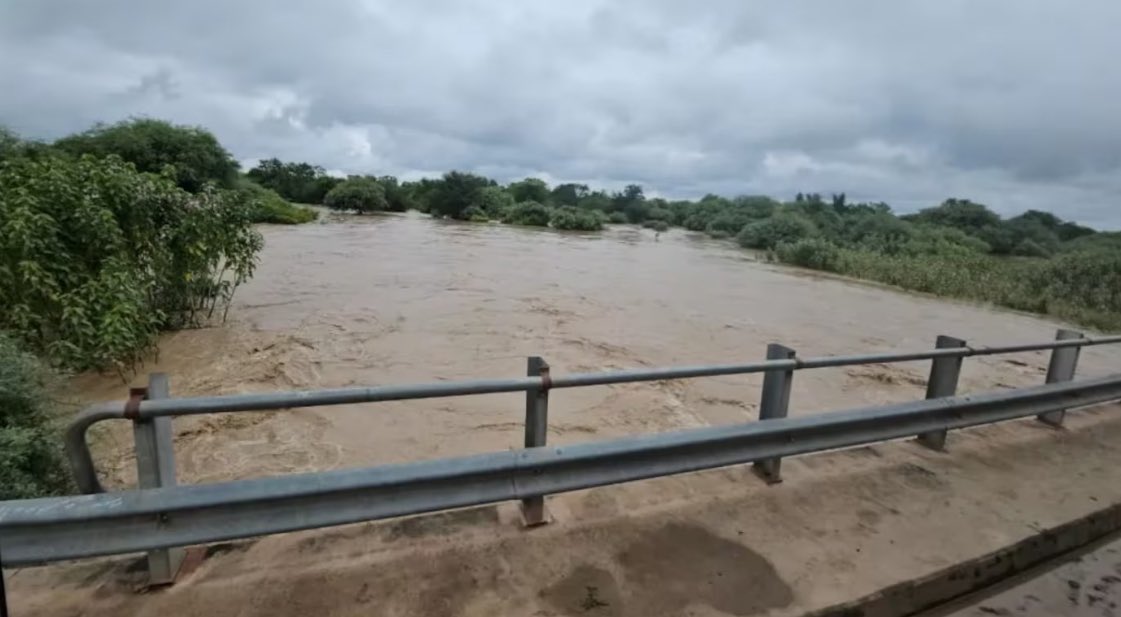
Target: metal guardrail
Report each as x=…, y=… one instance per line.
x=161, y=516
x=52, y=529
x=86, y=476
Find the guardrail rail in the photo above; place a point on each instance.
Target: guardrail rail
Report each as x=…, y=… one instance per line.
x=161, y=517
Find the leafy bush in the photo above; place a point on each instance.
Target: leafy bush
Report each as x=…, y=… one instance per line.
x=493, y=201
x=769, y=232
x=31, y=460
x=569, y=217
x=476, y=214
x=813, y=253
x=358, y=194
x=1029, y=248
x=193, y=154
x=95, y=257
x=266, y=206
x=617, y=218
x=656, y=225
x=528, y=213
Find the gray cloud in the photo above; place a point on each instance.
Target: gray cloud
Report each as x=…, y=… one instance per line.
x=1008, y=102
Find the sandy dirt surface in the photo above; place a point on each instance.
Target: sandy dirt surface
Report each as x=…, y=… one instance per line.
x=404, y=299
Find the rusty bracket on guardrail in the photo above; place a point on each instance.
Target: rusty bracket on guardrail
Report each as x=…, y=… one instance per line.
x=132, y=405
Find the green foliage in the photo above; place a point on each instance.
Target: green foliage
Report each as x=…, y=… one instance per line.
x=569, y=217
x=359, y=194
x=453, y=194
x=656, y=225
x=813, y=253
x=299, y=182
x=528, y=213
x=494, y=201
x=1029, y=248
x=530, y=189
x=784, y=226
x=617, y=218
x=568, y=194
x=95, y=257
x=960, y=213
x=475, y=214
x=192, y=155
x=399, y=198
x=265, y=206
x=31, y=460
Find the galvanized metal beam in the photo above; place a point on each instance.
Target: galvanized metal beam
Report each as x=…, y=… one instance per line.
x=85, y=474
x=52, y=529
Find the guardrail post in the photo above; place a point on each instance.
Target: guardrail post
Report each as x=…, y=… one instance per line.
x=943, y=382
x=1064, y=361
x=773, y=403
x=536, y=431
x=155, y=467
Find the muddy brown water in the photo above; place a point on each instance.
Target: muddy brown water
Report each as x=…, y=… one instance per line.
x=401, y=299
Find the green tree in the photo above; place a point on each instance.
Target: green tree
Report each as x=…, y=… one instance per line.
x=359, y=194
x=530, y=189
x=963, y=214
x=568, y=194
x=192, y=154
x=493, y=201
x=298, y=182
x=456, y=192
x=399, y=197
x=782, y=227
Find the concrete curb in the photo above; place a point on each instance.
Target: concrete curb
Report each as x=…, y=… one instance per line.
x=927, y=592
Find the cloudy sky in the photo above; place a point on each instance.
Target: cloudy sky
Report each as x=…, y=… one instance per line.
x=1009, y=102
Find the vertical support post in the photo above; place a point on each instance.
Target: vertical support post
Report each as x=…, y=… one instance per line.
x=155, y=467
x=943, y=382
x=1064, y=361
x=536, y=430
x=774, y=403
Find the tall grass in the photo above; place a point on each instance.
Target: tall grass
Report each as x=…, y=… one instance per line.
x=1083, y=287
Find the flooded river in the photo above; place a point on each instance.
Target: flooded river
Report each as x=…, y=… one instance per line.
x=398, y=299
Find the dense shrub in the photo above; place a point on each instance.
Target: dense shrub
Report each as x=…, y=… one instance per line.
x=266, y=206
x=1030, y=248
x=494, y=201
x=358, y=194
x=810, y=253
x=617, y=218
x=191, y=155
x=476, y=214
x=528, y=213
x=95, y=257
x=656, y=225
x=31, y=461
x=769, y=232
x=569, y=217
